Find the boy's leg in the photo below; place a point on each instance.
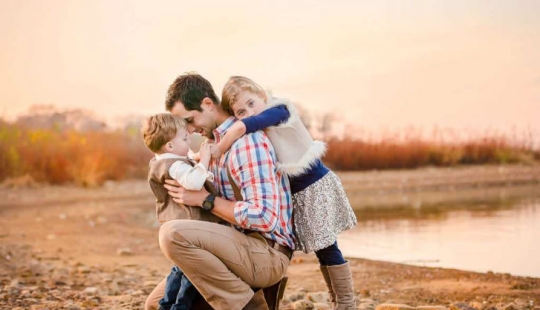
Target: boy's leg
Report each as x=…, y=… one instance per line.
x=172, y=287
x=186, y=295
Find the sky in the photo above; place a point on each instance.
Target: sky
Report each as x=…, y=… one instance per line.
x=469, y=65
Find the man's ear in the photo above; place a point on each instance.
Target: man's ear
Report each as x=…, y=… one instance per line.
x=207, y=104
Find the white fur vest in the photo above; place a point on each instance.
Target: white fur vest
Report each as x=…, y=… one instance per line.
x=295, y=149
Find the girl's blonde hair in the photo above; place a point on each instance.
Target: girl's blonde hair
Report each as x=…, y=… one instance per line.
x=234, y=86
x=161, y=128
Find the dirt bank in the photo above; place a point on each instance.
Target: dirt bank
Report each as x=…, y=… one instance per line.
x=73, y=248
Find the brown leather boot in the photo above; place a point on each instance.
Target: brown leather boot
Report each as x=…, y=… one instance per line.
x=326, y=276
x=342, y=285
x=273, y=294
x=257, y=302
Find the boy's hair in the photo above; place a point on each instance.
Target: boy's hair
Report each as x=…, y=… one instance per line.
x=234, y=86
x=161, y=128
x=190, y=88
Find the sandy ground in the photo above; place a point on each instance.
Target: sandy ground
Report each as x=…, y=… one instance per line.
x=73, y=248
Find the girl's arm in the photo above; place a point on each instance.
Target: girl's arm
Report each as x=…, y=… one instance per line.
x=270, y=117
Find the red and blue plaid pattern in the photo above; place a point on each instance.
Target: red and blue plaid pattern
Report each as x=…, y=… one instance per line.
x=267, y=204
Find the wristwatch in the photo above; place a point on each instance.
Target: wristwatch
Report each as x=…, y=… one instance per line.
x=208, y=203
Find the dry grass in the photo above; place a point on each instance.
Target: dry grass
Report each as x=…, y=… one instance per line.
x=89, y=158
x=83, y=158
x=412, y=150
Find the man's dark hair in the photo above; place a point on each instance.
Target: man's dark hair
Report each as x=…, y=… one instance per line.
x=190, y=88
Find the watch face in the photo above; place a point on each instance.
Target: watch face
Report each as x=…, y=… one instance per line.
x=208, y=203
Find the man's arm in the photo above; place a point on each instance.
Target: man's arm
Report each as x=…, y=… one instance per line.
x=252, y=168
x=223, y=208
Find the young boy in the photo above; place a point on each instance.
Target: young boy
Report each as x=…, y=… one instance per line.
x=167, y=137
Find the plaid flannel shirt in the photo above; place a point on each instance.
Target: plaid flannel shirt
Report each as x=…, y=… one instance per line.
x=267, y=203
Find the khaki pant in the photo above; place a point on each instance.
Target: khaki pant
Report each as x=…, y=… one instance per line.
x=223, y=263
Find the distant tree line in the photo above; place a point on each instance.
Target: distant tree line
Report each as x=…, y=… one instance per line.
x=74, y=146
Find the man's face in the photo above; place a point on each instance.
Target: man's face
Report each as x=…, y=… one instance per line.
x=202, y=123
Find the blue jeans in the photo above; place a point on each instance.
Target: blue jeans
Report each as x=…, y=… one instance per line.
x=179, y=292
x=330, y=256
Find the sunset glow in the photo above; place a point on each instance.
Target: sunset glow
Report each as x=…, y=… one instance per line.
x=459, y=64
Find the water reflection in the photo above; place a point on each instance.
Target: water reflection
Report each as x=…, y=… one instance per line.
x=502, y=237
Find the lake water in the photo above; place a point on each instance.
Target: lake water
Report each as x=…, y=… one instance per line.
x=482, y=237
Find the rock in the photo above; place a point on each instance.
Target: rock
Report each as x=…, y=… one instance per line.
x=72, y=307
x=477, y=305
x=90, y=303
x=366, y=306
x=84, y=269
x=120, y=298
x=511, y=306
x=303, y=305
x=318, y=297
x=294, y=297
x=37, y=295
x=461, y=306
x=14, y=283
x=91, y=291
x=124, y=252
x=139, y=293
x=321, y=306
x=394, y=307
x=521, y=302
x=431, y=308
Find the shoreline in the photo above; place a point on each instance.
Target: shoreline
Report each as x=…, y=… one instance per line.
x=64, y=247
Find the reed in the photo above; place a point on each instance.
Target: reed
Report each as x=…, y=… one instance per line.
x=90, y=158
x=412, y=149
x=57, y=157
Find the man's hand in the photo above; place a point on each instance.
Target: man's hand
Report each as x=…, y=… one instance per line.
x=184, y=196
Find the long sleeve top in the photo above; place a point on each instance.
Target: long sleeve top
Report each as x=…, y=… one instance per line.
x=274, y=116
x=267, y=203
x=189, y=177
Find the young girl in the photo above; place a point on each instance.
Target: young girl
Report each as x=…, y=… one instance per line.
x=321, y=208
